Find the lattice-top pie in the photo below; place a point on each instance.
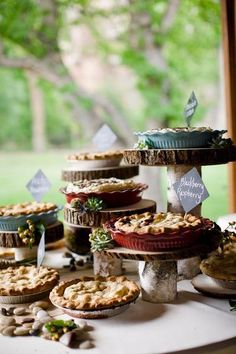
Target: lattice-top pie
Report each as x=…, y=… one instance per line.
x=100, y=185
x=92, y=293
x=153, y=232
x=26, y=208
x=157, y=223
x=25, y=280
x=223, y=265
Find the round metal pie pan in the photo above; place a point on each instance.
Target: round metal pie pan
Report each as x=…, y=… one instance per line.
x=21, y=299
x=96, y=314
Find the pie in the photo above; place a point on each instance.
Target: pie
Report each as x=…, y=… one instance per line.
x=104, y=155
x=178, y=138
x=113, y=191
x=100, y=185
x=156, y=231
x=93, y=293
x=26, y=208
x=25, y=280
x=223, y=265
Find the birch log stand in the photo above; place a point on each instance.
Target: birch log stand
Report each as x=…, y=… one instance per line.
x=159, y=277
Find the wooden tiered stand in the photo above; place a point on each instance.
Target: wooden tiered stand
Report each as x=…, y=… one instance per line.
x=158, y=270
x=77, y=222
x=77, y=225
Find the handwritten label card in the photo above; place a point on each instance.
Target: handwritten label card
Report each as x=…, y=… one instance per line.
x=38, y=185
x=191, y=190
x=104, y=138
x=41, y=248
x=190, y=108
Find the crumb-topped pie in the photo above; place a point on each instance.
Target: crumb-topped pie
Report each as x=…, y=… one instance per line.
x=93, y=293
x=25, y=280
x=16, y=215
x=113, y=191
x=156, y=231
x=221, y=266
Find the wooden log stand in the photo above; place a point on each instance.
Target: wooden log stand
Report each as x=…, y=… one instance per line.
x=158, y=270
x=122, y=172
x=178, y=163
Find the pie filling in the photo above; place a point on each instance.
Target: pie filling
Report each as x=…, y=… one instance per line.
x=100, y=185
x=156, y=223
x=26, y=208
x=26, y=279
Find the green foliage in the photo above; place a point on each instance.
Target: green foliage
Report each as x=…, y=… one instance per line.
x=167, y=62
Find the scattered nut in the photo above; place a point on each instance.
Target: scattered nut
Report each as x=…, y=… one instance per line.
x=19, y=311
x=21, y=331
x=9, y=331
x=7, y=321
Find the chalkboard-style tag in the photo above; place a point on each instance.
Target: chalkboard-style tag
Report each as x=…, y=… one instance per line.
x=191, y=190
x=41, y=248
x=104, y=138
x=38, y=185
x=190, y=108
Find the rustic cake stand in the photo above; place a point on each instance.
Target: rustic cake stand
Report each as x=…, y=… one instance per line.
x=75, y=220
x=77, y=236
x=11, y=239
x=158, y=270
x=158, y=276
x=122, y=172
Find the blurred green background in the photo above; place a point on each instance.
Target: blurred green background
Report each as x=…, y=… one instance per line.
x=68, y=66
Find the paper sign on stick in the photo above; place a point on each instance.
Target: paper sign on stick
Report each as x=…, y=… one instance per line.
x=190, y=108
x=104, y=138
x=38, y=185
x=41, y=248
x=191, y=190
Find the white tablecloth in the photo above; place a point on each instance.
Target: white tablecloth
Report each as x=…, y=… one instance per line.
x=190, y=322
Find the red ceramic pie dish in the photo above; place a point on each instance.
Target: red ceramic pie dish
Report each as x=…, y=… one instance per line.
x=158, y=242
x=110, y=199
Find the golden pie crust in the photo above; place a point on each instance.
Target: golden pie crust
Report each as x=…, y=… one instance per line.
x=159, y=223
x=221, y=266
x=101, y=185
x=105, y=155
x=93, y=293
x=26, y=208
x=25, y=280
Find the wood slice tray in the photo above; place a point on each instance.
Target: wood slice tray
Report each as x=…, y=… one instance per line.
x=199, y=249
x=75, y=217
x=11, y=239
x=122, y=172
x=192, y=157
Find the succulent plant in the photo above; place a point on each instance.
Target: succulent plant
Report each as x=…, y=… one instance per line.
x=100, y=240
x=76, y=203
x=144, y=144
x=220, y=142
x=94, y=204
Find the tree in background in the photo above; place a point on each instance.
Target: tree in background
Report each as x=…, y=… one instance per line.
x=168, y=47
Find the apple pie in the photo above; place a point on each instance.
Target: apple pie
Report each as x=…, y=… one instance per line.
x=25, y=280
x=93, y=293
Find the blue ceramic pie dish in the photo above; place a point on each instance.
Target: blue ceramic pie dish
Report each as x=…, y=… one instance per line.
x=178, y=138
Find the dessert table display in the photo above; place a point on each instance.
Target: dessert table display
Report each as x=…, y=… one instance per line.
x=197, y=323
x=180, y=150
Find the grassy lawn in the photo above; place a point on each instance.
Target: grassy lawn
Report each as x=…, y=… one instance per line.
x=18, y=168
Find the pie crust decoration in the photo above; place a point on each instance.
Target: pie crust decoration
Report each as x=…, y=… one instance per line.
x=25, y=280
x=93, y=293
x=156, y=231
x=26, y=208
x=223, y=265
